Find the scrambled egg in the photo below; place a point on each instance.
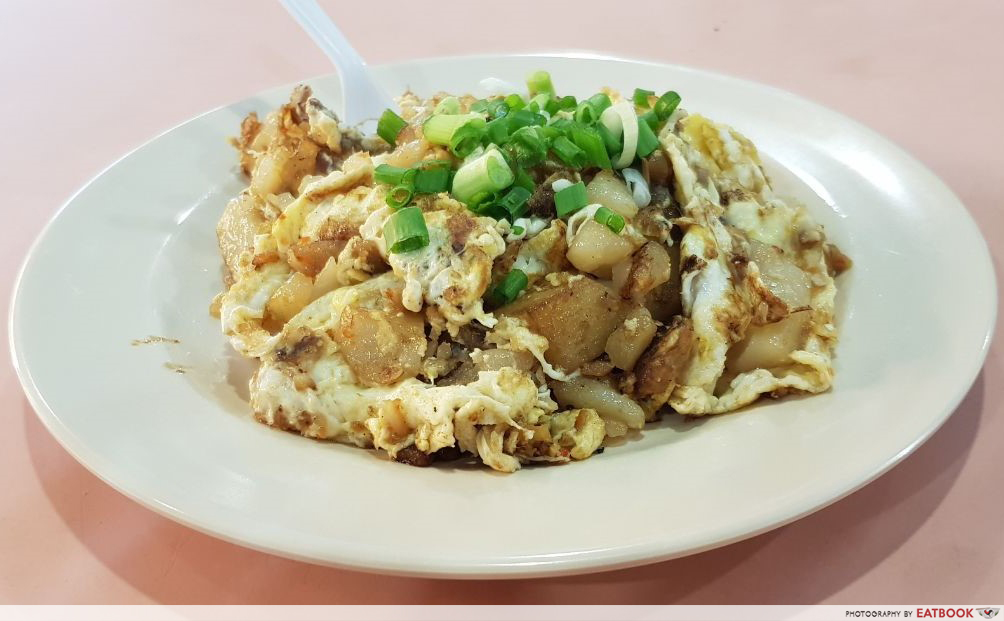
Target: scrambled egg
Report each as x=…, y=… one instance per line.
x=306, y=384
x=717, y=292
x=723, y=300
x=453, y=271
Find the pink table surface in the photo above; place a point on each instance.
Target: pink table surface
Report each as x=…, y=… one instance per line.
x=83, y=82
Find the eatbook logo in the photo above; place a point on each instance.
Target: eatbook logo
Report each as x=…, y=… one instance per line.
x=989, y=613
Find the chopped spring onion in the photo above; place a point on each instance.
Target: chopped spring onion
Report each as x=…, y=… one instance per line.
x=515, y=102
x=589, y=140
x=541, y=101
x=611, y=121
x=524, y=180
x=389, y=126
x=568, y=102
x=467, y=137
x=569, y=153
x=486, y=173
x=647, y=142
x=611, y=219
x=539, y=82
x=586, y=113
x=514, y=202
x=651, y=119
x=399, y=196
x=509, y=289
x=621, y=120
x=528, y=146
x=570, y=199
x=391, y=175
x=641, y=97
x=447, y=105
x=667, y=105
x=405, y=230
x=638, y=186
x=600, y=101
x=555, y=128
x=610, y=141
x=518, y=230
x=432, y=179
x=498, y=108
x=408, y=178
x=483, y=203
x=524, y=118
x=497, y=130
x=439, y=128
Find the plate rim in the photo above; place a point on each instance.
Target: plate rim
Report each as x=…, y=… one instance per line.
x=567, y=564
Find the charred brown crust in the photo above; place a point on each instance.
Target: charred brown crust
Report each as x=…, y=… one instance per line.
x=413, y=457
x=692, y=263
x=541, y=202
x=736, y=194
x=307, y=345
x=836, y=261
x=459, y=226
x=664, y=359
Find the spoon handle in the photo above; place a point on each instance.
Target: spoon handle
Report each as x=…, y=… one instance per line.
x=363, y=98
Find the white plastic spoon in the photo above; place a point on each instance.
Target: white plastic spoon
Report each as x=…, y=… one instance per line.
x=364, y=100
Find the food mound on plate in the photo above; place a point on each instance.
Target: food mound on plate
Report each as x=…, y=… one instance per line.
x=516, y=278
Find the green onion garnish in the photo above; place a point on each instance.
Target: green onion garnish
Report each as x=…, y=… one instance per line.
x=467, y=137
x=408, y=178
x=570, y=199
x=552, y=131
x=569, y=153
x=389, y=126
x=647, y=142
x=488, y=172
x=539, y=82
x=641, y=97
x=515, y=102
x=432, y=180
x=527, y=146
x=667, y=105
x=482, y=202
x=523, y=118
x=498, y=108
x=560, y=123
x=480, y=105
x=405, y=230
x=586, y=113
x=439, y=128
x=518, y=230
x=589, y=140
x=568, y=102
x=391, y=175
x=610, y=141
x=651, y=119
x=524, y=180
x=497, y=130
x=509, y=289
x=611, y=219
x=541, y=101
x=399, y=196
x=448, y=105
x=601, y=102
x=514, y=202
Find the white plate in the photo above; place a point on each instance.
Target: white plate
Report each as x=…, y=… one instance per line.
x=134, y=254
